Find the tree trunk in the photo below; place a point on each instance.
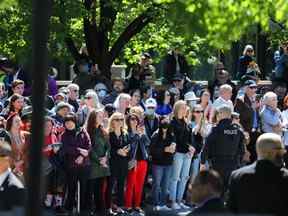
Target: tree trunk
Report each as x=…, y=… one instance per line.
x=96, y=37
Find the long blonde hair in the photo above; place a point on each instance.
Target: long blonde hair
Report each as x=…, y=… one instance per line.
x=177, y=107
x=111, y=124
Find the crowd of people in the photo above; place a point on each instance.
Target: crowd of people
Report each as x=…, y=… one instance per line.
x=108, y=144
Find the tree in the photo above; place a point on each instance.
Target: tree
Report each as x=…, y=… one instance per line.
x=66, y=25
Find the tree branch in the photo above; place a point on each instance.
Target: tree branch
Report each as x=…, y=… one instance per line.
x=72, y=48
x=131, y=30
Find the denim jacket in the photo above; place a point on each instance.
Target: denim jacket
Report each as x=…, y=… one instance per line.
x=136, y=141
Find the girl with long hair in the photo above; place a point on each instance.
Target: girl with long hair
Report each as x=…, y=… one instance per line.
x=183, y=155
x=100, y=168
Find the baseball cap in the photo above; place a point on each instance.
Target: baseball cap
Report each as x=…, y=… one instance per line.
x=250, y=83
x=150, y=102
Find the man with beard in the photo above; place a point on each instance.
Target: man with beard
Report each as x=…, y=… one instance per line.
x=261, y=188
x=118, y=87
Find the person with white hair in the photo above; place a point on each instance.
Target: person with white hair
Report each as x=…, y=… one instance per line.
x=245, y=60
x=270, y=114
x=122, y=102
x=225, y=94
x=91, y=102
x=73, y=96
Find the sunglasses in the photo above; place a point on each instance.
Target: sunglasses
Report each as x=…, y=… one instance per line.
x=119, y=120
x=198, y=111
x=253, y=87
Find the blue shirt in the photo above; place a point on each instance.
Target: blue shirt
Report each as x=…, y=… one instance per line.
x=269, y=119
x=164, y=109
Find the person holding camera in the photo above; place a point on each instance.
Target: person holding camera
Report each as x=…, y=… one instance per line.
x=138, y=163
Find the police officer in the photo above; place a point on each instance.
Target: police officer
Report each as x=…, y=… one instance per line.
x=224, y=146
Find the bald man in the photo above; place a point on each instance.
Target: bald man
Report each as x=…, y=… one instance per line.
x=262, y=187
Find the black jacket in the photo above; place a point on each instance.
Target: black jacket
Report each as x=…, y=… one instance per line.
x=159, y=157
x=139, y=145
x=243, y=106
x=225, y=142
x=182, y=134
x=12, y=193
x=116, y=143
x=259, y=188
x=148, y=129
x=212, y=206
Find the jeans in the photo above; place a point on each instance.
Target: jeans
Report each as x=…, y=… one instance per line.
x=180, y=176
x=195, y=167
x=160, y=186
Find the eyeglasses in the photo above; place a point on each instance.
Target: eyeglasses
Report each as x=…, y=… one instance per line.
x=250, y=50
x=198, y=111
x=119, y=120
x=253, y=87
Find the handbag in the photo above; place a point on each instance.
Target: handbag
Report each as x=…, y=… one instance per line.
x=132, y=163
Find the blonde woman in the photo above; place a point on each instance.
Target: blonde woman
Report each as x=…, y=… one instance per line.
x=183, y=155
x=120, y=148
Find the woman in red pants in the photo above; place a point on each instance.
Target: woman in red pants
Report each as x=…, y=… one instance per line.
x=138, y=163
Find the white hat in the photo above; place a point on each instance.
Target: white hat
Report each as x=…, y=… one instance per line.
x=190, y=96
x=150, y=102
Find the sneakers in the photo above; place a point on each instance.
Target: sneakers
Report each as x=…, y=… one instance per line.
x=183, y=206
x=164, y=208
x=157, y=208
x=139, y=211
x=175, y=206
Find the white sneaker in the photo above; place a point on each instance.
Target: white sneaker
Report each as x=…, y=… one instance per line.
x=157, y=208
x=175, y=206
x=183, y=206
x=164, y=208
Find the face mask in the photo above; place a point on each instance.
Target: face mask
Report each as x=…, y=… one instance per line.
x=84, y=68
x=102, y=93
x=150, y=112
x=165, y=125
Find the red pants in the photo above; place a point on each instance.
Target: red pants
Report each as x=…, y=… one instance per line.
x=135, y=183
